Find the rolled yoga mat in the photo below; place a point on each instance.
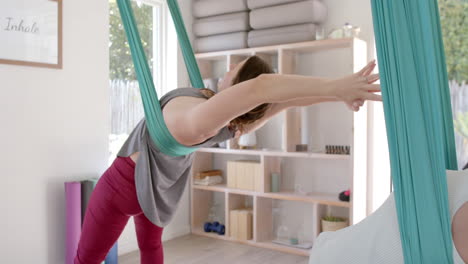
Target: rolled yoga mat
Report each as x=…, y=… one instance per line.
x=112, y=256
x=206, y=8
x=237, y=40
x=222, y=24
x=255, y=4
x=311, y=11
x=73, y=219
x=281, y=35
x=87, y=187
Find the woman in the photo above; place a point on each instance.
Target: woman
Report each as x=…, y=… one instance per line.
x=147, y=184
x=379, y=236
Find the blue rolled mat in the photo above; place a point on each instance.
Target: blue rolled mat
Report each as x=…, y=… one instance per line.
x=112, y=256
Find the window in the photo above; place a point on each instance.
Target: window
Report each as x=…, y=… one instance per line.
x=455, y=36
x=159, y=42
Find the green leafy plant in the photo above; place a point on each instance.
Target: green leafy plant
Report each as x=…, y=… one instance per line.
x=453, y=19
x=461, y=124
x=121, y=64
x=334, y=219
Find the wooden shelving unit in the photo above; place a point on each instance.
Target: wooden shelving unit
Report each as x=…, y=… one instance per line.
x=319, y=198
x=272, y=153
x=308, y=46
x=284, y=57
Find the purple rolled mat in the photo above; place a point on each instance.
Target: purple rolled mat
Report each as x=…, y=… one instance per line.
x=73, y=219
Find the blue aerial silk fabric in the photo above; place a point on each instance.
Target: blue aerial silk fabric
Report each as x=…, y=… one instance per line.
x=419, y=124
x=157, y=128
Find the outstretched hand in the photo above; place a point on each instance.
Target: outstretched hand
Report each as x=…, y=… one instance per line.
x=356, y=88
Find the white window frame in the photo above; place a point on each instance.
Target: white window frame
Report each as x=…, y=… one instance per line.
x=165, y=46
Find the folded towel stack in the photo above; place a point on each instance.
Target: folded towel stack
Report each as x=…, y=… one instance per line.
x=226, y=24
x=284, y=21
x=220, y=24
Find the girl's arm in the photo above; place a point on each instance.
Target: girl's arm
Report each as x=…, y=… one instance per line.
x=210, y=116
x=215, y=113
x=276, y=108
x=308, y=101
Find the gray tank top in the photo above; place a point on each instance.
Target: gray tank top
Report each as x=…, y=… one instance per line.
x=161, y=179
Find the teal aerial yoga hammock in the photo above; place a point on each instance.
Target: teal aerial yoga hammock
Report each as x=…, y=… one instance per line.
x=158, y=130
x=419, y=124
x=417, y=113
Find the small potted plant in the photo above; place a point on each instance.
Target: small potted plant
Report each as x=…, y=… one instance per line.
x=333, y=223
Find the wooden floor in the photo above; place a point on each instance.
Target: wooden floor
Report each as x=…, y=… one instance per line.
x=202, y=250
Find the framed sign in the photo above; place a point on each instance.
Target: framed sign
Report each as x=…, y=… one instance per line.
x=31, y=33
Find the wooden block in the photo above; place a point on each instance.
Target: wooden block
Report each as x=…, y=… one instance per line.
x=233, y=223
x=231, y=174
x=250, y=175
x=245, y=223
x=259, y=179
x=244, y=176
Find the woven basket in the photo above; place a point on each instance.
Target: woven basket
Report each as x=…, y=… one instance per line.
x=333, y=226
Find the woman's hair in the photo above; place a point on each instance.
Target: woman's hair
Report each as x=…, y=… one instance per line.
x=252, y=68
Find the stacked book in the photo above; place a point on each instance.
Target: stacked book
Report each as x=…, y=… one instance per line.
x=284, y=21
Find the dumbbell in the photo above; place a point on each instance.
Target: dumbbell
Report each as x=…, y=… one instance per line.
x=215, y=227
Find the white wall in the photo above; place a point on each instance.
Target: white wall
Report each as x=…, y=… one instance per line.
x=54, y=128
x=357, y=13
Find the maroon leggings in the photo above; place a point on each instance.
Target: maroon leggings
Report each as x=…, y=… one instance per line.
x=112, y=203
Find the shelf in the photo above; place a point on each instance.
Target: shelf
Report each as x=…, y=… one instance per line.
x=319, y=198
x=267, y=245
x=213, y=188
x=223, y=188
x=200, y=232
x=284, y=135
x=308, y=46
x=275, y=153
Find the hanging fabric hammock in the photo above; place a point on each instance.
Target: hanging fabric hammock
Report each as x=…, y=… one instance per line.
x=419, y=124
x=157, y=128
